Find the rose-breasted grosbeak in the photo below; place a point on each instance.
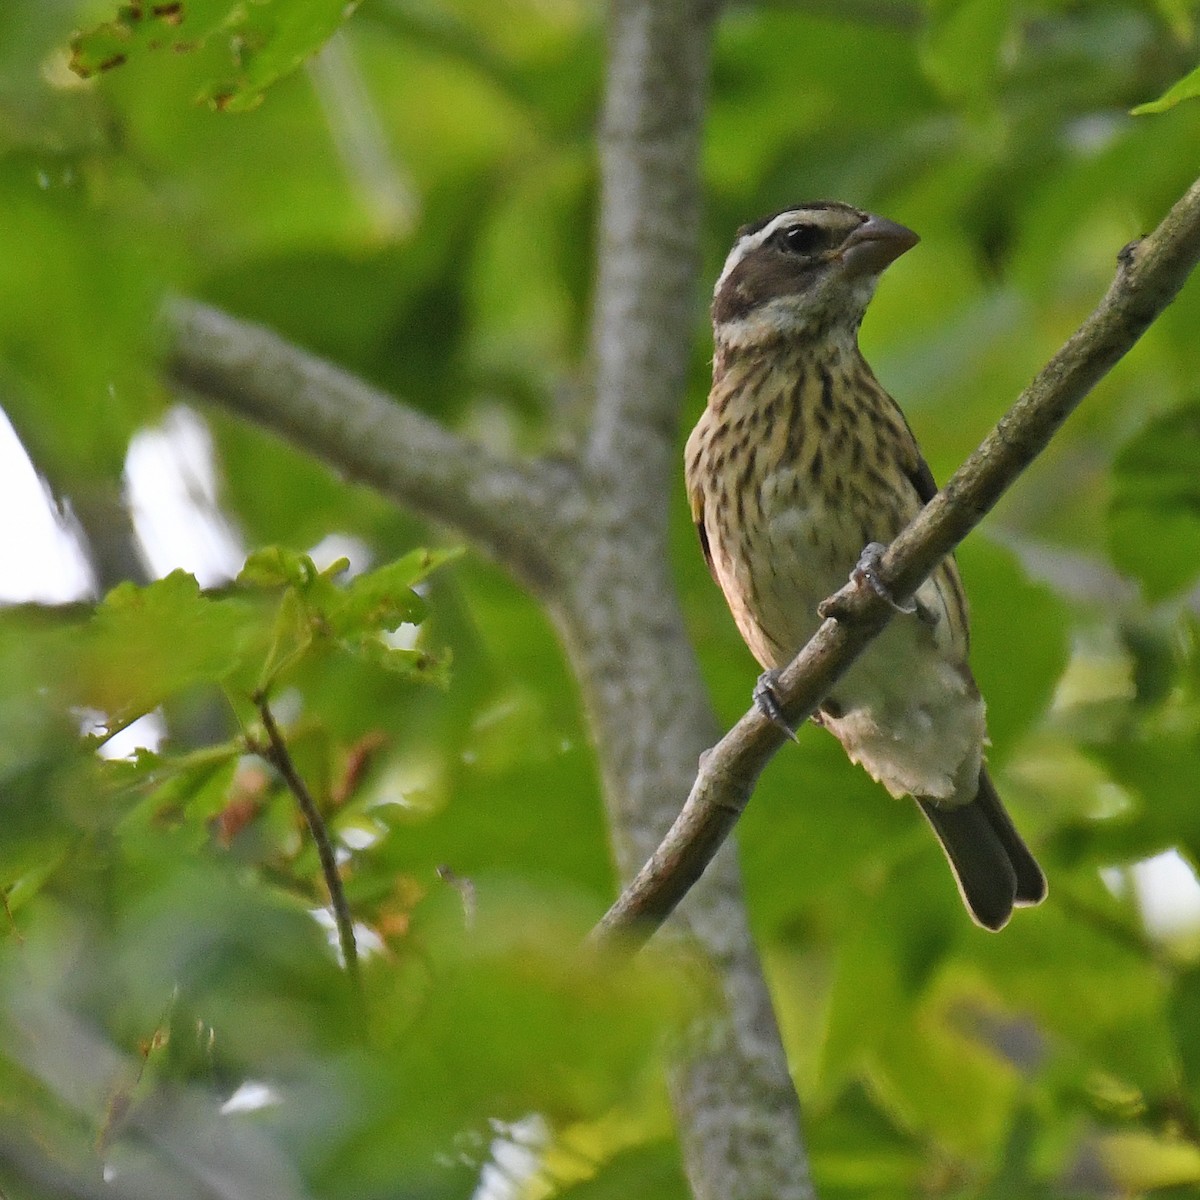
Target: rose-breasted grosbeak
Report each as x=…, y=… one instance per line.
x=800, y=460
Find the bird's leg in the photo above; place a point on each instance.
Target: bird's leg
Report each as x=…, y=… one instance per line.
x=866, y=570
x=866, y=573
x=766, y=700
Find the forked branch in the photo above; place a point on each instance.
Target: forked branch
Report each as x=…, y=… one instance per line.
x=1150, y=273
x=507, y=507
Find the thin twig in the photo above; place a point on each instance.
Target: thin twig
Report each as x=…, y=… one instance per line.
x=276, y=752
x=1150, y=273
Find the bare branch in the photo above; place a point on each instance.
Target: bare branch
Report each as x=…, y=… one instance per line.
x=1149, y=275
x=507, y=508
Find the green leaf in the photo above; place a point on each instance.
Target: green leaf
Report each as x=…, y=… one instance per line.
x=276, y=567
x=139, y=27
x=1139, y=1162
x=421, y=665
x=1018, y=639
x=77, y=386
x=383, y=599
x=1155, y=755
x=649, y=1170
x=246, y=46
x=1185, y=1020
x=858, y=1150
x=144, y=644
x=376, y=600
x=186, y=792
x=1177, y=16
x=961, y=50
x=379, y=602
x=1187, y=88
x=29, y=884
x=314, y=609
x=1154, y=514
x=886, y=954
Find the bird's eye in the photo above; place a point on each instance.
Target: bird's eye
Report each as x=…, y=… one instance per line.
x=803, y=239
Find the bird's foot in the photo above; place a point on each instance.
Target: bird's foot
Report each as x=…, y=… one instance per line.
x=766, y=700
x=866, y=571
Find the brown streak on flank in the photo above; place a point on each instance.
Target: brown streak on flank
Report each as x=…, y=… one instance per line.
x=746, y=477
x=770, y=412
x=776, y=438
x=795, y=416
x=878, y=481
x=828, y=405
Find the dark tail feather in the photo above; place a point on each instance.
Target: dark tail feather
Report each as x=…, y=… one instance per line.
x=993, y=866
x=1031, y=882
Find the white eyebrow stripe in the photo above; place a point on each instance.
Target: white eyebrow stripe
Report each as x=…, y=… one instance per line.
x=752, y=241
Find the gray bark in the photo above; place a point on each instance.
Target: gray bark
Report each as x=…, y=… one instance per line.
x=619, y=616
x=590, y=540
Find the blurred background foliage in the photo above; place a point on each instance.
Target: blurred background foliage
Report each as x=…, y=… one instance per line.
x=417, y=202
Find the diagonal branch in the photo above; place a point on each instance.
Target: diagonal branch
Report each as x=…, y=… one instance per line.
x=1149, y=275
x=509, y=509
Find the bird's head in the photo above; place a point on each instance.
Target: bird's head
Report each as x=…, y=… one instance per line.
x=806, y=272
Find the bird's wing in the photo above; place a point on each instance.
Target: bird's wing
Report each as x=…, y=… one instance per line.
x=921, y=477
x=945, y=579
x=696, y=502
x=692, y=455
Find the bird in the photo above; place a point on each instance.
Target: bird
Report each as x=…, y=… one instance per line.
x=800, y=462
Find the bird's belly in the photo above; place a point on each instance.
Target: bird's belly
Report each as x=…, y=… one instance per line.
x=908, y=709
x=803, y=553
x=911, y=715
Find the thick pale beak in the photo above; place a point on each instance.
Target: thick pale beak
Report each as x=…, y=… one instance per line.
x=875, y=244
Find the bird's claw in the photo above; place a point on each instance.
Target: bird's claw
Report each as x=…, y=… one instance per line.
x=766, y=700
x=866, y=571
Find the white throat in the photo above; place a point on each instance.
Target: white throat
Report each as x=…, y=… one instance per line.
x=792, y=318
